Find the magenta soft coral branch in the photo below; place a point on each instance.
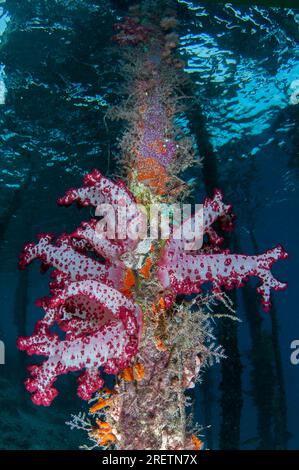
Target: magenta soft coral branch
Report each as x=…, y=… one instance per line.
x=102, y=326
x=184, y=273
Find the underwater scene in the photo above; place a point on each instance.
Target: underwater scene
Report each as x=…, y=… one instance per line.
x=150, y=178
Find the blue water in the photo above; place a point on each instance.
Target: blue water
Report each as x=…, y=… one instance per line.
x=58, y=77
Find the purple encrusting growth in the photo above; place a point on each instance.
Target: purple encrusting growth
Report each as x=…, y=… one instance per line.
x=154, y=143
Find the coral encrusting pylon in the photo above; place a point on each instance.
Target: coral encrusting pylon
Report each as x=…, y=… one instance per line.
x=118, y=308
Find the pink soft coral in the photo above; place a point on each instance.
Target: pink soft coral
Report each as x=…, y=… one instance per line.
x=183, y=272
x=101, y=326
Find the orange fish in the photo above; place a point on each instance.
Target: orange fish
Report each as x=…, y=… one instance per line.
x=145, y=270
x=127, y=374
x=197, y=442
x=138, y=371
x=102, y=403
